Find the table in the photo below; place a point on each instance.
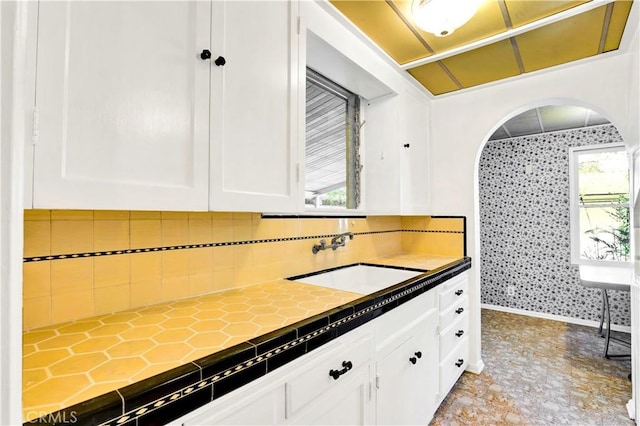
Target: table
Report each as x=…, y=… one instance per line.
x=607, y=278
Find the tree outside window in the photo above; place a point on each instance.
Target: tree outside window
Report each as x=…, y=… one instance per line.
x=600, y=205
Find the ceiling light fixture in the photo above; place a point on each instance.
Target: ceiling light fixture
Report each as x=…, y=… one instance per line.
x=443, y=17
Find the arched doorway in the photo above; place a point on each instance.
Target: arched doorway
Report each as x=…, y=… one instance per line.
x=523, y=225
x=524, y=213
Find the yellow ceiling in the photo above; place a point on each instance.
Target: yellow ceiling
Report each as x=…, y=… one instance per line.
x=583, y=34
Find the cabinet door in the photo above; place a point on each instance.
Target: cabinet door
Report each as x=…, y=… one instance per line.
x=349, y=403
x=407, y=377
x=122, y=101
x=264, y=409
x=382, y=157
x=254, y=109
x=414, y=161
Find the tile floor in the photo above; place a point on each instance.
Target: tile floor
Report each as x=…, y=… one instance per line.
x=540, y=372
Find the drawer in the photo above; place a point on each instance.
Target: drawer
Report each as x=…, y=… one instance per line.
x=453, y=291
x=395, y=322
x=453, y=366
x=453, y=334
x=315, y=379
x=453, y=312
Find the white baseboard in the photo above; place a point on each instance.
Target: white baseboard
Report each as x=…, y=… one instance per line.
x=570, y=320
x=475, y=368
x=631, y=409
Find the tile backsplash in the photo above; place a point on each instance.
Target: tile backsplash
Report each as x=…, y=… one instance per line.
x=84, y=263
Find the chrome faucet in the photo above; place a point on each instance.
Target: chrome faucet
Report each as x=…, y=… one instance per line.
x=340, y=240
x=337, y=241
x=317, y=247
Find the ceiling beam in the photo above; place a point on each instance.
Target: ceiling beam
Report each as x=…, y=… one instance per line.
x=569, y=13
x=605, y=28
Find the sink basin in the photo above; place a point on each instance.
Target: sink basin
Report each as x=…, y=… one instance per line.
x=361, y=279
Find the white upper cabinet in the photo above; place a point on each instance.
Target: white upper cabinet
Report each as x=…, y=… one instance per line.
x=382, y=156
x=396, y=156
x=122, y=105
x=254, y=120
x=414, y=159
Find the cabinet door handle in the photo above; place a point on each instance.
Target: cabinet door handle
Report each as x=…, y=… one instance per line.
x=459, y=292
x=346, y=366
x=220, y=61
x=205, y=54
x=459, y=363
x=459, y=310
x=415, y=358
x=460, y=333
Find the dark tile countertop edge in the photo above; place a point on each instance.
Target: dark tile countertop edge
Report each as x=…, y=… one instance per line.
x=174, y=393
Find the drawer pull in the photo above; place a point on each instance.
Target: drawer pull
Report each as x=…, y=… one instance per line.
x=460, y=333
x=347, y=365
x=459, y=363
x=459, y=292
x=459, y=311
x=415, y=358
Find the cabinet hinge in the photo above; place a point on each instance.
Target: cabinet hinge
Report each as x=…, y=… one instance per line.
x=36, y=127
x=299, y=24
x=297, y=172
x=377, y=382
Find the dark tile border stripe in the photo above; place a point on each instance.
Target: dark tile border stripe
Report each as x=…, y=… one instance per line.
x=404, y=268
x=179, y=391
x=204, y=245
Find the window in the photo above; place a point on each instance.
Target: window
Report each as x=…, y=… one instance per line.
x=332, y=159
x=599, y=204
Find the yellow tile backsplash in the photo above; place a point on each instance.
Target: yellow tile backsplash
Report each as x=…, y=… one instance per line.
x=68, y=289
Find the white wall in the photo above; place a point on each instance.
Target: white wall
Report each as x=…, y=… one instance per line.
x=13, y=17
x=633, y=133
x=634, y=140
x=462, y=122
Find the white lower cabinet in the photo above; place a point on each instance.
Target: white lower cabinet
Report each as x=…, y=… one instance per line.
x=263, y=407
x=395, y=369
x=347, y=403
x=454, y=328
x=327, y=380
x=406, y=376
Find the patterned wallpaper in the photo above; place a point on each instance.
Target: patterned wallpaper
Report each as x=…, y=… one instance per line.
x=525, y=236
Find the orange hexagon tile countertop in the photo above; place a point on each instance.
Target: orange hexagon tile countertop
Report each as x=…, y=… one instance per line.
x=72, y=362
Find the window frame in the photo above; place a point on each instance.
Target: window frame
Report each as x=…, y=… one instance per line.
x=574, y=205
x=353, y=182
